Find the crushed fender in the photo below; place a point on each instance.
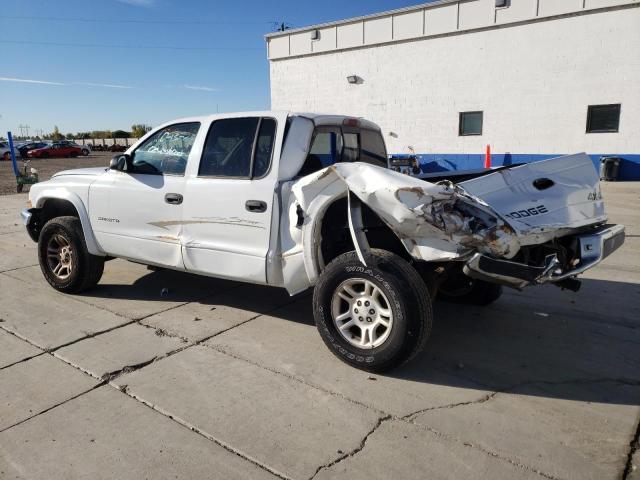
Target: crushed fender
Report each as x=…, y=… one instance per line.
x=434, y=221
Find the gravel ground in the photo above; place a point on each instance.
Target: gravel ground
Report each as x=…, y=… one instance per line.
x=47, y=167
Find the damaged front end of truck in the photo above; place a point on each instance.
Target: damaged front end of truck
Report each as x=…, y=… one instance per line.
x=526, y=225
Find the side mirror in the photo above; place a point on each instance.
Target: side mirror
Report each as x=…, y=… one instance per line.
x=120, y=163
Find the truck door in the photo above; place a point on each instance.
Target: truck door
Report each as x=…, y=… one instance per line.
x=229, y=199
x=137, y=213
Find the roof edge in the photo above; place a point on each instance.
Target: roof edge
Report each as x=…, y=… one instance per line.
x=387, y=13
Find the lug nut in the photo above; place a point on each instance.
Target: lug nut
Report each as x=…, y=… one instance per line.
x=372, y=312
x=360, y=318
x=366, y=304
x=369, y=319
x=356, y=310
x=359, y=303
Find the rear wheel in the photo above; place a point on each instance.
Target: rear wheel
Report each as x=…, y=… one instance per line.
x=85, y=152
x=375, y=317
x=465, y=290
x=6, y=156
x=64, y=259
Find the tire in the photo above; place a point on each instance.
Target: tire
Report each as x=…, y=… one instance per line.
x=401, y=294
x=85, y=152
x=6, y=156
x=473, y=292
x=79, y=269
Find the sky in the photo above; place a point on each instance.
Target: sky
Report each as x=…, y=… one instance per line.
x=107, y=64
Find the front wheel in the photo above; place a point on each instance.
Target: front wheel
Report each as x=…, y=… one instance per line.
x=85, y=152
x=376, y=317
x=64, y=259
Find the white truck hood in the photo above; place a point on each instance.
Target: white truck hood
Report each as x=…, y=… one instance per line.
x=92, y=172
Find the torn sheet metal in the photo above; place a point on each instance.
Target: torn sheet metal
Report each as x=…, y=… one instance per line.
x=434, y=221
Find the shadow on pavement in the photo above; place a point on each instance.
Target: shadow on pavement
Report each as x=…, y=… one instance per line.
x=548, y=342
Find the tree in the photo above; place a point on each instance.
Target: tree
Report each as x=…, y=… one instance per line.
x=70, y=136
x=56, y=135
x=139, y=130
x=121, y=134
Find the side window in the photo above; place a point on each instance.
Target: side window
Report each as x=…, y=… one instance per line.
x=373, y=150
x=228, y=149
x=264, y=147
x=351, y=150
x=166, y=151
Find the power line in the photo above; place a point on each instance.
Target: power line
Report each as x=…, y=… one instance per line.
x=150, y=22
x=146, y=47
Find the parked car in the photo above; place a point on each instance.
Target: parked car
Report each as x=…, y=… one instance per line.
x=56, y=149
x=24, y=148
x=86, y=150
x=5, y=152
x=117, y=148
x=303, y=201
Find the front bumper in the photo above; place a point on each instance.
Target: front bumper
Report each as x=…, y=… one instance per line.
x=593, y=248
x=26, y=217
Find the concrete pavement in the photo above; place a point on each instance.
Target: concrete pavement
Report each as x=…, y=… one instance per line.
x=168, y=375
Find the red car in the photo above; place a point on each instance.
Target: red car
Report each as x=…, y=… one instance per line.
x=55, y=150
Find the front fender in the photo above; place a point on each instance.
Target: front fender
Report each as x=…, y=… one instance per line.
x=63, y=194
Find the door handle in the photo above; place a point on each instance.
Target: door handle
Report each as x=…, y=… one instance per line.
x=173, y=198
x=256, y=206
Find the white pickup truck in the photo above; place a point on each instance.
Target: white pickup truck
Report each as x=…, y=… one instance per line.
x=300, y=201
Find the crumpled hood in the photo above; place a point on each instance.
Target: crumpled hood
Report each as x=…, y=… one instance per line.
x=434, y=221
x=92, y=172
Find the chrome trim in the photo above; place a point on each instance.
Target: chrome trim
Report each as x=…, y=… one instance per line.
x=592, y=252
x=26, y=217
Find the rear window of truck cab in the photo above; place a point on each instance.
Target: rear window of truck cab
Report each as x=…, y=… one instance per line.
x=334, y=144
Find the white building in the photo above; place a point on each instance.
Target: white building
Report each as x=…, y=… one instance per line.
x=531, y=78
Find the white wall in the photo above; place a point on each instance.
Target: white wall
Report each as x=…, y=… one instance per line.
x=533, y=81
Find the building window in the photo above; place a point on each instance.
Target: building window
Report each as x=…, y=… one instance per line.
x=470, y=123
x=603, y=118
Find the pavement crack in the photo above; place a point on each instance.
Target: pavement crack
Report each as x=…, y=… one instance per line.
x=486, y=451
x=110, y=376
x=411, y=416
x=42, y=412
x=17, y=268
x=90, y=335
x=634, y=446
x=26, y=359
x=202, y=433
x=356, y=450
x=220, y=349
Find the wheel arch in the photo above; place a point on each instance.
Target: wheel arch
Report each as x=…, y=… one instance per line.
x=57, y=203
x=341, y=223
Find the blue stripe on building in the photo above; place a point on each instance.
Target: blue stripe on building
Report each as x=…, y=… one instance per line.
x=445, y=162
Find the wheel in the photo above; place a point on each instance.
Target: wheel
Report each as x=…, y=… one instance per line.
x=6, y=156
x=85, y=152
x=19, y=188
x=376, y=317
x=464, y=290
x=73, y=155
x=64, y=259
